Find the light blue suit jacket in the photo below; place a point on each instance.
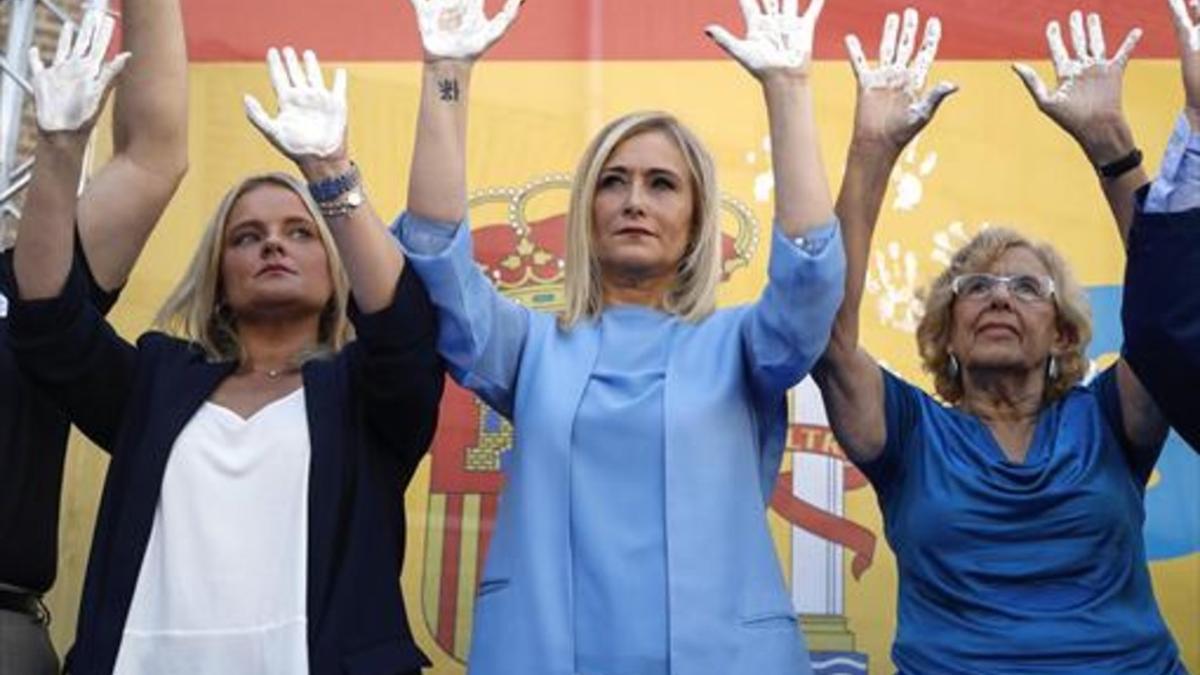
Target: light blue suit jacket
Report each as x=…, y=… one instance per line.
x=725, y=419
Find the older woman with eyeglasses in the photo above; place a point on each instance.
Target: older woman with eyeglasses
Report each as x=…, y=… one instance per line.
x=1014, y=504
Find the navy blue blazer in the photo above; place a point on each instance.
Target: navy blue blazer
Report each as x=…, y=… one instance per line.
x=372, y=410
x=1160, y=314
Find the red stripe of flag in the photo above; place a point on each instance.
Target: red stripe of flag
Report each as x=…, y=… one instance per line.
x=448, y=592
x=573, y=30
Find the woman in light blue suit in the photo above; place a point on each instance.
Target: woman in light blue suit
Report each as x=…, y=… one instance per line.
x=631, y=536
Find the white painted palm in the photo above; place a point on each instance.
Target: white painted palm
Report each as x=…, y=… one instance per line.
x=778, y=36
x=1087, y=81
x=898, y=69
x=311, y=121
x=459, y=29
x=69, y=93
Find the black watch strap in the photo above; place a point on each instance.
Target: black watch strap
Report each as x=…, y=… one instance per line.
x=1121, y=166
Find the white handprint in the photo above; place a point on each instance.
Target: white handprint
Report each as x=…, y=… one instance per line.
x=1090, y=52
x=948, y=241
x=458, y=29
x=898, y=69
x=764, y=181
x=894, y=280
x=909, y=176
x=67, y=94
x=777, y=37
x=312, y=119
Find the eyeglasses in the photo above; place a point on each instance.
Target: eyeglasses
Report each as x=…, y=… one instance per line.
x=1023, y=287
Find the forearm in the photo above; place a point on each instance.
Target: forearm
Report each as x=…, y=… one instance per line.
x=802, y=199
x=151, y=105
x=46, y=231
x=864, y=184
x=126, y=197
x=1121, y=195
x=437, y=183
x=370, y=256
x=1104, y=142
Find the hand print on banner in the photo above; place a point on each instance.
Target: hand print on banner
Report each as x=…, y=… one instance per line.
x=894, y=274
x=910, y=174
x=949, y=240
x=764, y=182
x=892, y=278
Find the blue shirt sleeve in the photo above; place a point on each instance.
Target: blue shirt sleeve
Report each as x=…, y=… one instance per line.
x=423, y=236
x=1177, y=187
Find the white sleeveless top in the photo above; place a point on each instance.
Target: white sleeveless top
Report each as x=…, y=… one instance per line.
x=222, y=587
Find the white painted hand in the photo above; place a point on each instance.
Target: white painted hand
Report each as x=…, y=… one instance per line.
x=1088, y=91
x=894, y=282
x=312, y=119
x=892, y=104
x=69, y=93
x=458, y=29
x=778, y=38
x=1187, y=31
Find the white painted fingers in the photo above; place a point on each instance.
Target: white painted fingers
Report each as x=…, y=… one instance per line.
x=69, y=92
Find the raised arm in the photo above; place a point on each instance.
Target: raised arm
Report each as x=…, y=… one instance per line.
x=68, y=96
x=124, y=200
x=777, y=51
x=1161, y=298
x=1187, y=34
x=891, y=109
x=454, y=35
x=310, y=129
x=1086, y=104
x=61, y=341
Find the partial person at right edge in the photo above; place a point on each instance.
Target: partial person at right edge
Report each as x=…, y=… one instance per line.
x=1161, y=312
x=115, y=214
x=252, y=519
x=1015, y=508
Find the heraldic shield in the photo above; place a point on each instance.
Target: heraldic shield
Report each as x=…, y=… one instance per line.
x=520, y=247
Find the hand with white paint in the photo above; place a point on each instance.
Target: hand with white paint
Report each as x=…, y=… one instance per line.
x=779, y=40
x=458, y=30
x=893, y=105
x=1086, y=101
x=1187, y=31
x=69, y=93
x=311, y=123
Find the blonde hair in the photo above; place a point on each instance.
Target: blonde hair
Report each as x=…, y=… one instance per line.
x=196, y=311
x=694, y=293
x=1074, y=318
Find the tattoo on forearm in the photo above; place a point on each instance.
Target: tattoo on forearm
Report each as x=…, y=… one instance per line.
x=448, y=90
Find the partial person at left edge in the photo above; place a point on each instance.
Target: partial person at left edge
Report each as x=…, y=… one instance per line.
x=252, y=518
x=127, y=195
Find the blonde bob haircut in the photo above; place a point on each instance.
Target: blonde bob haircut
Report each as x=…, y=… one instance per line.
x=196, y=310
x=694, y=293
x=1074, y=314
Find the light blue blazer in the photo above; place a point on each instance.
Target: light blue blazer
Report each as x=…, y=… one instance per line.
x=725, y=418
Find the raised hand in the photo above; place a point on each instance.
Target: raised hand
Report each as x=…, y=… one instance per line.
x=778, y=38
x=892, y=105
x=1188, y=33
x=458, y=30
x=312, y=118
x=1086, y=102
x=69, y=93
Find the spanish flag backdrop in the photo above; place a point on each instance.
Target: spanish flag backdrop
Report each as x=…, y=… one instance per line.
x=566, y=67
